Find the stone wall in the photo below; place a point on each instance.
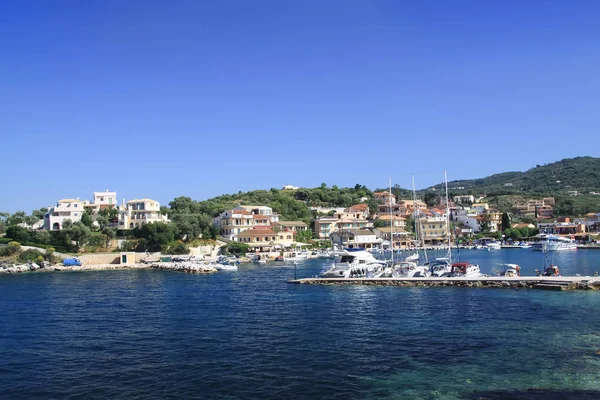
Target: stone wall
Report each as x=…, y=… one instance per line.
x=99, y=258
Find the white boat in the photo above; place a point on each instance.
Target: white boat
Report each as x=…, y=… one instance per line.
x=440, y=267
x=230, y=266
x=410, y=269
x=494, y=246
x=525, y=245
x=299, y=256
x=355, y=263
x=549, y=242
x=509, y=271
x=465, y=269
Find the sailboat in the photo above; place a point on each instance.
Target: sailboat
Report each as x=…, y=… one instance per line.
x=443, y=266
x=409, y=267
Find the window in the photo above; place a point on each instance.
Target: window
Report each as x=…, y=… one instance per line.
x=75, y=205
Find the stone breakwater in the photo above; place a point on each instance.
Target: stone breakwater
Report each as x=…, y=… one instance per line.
x=533, y=282
x=189, y=267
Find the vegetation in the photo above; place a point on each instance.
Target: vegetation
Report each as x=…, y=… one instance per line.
x=236, y=248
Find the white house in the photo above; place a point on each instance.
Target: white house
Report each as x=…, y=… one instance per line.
x=136, y=213
x=361, y=238
x=261, y=210
x=66, y=209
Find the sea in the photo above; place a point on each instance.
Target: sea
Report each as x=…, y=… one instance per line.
x=249, y=334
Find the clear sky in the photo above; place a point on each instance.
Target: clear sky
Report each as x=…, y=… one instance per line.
x=166, y=98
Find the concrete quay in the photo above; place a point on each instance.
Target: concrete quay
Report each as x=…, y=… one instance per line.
x=526, y=282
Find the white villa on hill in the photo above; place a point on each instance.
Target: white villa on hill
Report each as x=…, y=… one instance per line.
x=65, y=209
x=136, y=213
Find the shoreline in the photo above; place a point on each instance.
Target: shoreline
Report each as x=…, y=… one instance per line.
x=172, y=266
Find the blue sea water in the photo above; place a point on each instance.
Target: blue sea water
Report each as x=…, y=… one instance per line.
x=137, y=334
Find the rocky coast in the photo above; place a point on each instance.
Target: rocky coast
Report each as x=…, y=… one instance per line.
x=185, y=266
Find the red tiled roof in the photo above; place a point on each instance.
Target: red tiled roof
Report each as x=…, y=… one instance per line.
x=359, y=207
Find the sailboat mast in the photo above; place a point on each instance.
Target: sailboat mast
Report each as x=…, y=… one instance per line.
x=448, y=218
x=416, y=218
x=391, y=222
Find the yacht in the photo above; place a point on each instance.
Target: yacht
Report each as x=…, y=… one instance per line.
x=300, y=256
x=549, y=242
x=355, y=263
x=465, y=269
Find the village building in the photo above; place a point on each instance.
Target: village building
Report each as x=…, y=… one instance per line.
x=65, y=209
x=136, y=213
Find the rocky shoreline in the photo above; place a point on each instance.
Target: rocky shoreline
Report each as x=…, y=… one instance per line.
x=189, y=267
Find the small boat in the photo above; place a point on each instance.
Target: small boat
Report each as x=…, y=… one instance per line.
x=494, y=246
x=231, y=266
x=525, y=245
x=465, y=269
x=509, y=270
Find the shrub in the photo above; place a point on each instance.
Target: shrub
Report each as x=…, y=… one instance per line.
x=178, y=248
x=31, y=255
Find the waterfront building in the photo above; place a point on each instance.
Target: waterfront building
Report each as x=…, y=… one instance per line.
x=233, y=222
x=563, y=227
x=401, y=238
x=433, y=230
x=260, y=238
x=355, y=239
x=65, y=209
x=136, y=213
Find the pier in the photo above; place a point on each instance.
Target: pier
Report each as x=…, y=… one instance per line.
x=525, y=282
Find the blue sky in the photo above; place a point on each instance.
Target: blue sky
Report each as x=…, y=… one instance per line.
x=161, y=99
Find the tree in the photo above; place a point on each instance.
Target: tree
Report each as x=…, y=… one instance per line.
x=77, y=233
x=236, y=248
x=484, y=224
x=86, y=219
x=304, y=236
x=431, y=199
x=505, y=221
x=378, y=223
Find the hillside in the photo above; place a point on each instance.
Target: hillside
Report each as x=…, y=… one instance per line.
x=581, y=174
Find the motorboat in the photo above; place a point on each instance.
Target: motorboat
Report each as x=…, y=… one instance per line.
x=226, y=266
x=355, y=263
x=509, y=270
x=549, y=242
x=299, y=256
x=525, y=245
x=551, y=270
x=494, y=246
x=465, y=269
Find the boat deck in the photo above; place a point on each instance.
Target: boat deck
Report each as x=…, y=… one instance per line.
x=532, y=282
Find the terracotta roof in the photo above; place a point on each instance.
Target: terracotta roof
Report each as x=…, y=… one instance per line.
x=259, y=216
x=257, y=232
x=387, y=216
x=358, y=207
x=239, y=212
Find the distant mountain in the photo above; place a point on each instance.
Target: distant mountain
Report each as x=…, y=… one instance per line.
x=581, y=174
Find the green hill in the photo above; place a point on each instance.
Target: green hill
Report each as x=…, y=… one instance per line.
x=581, y=174
x=571, y=182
